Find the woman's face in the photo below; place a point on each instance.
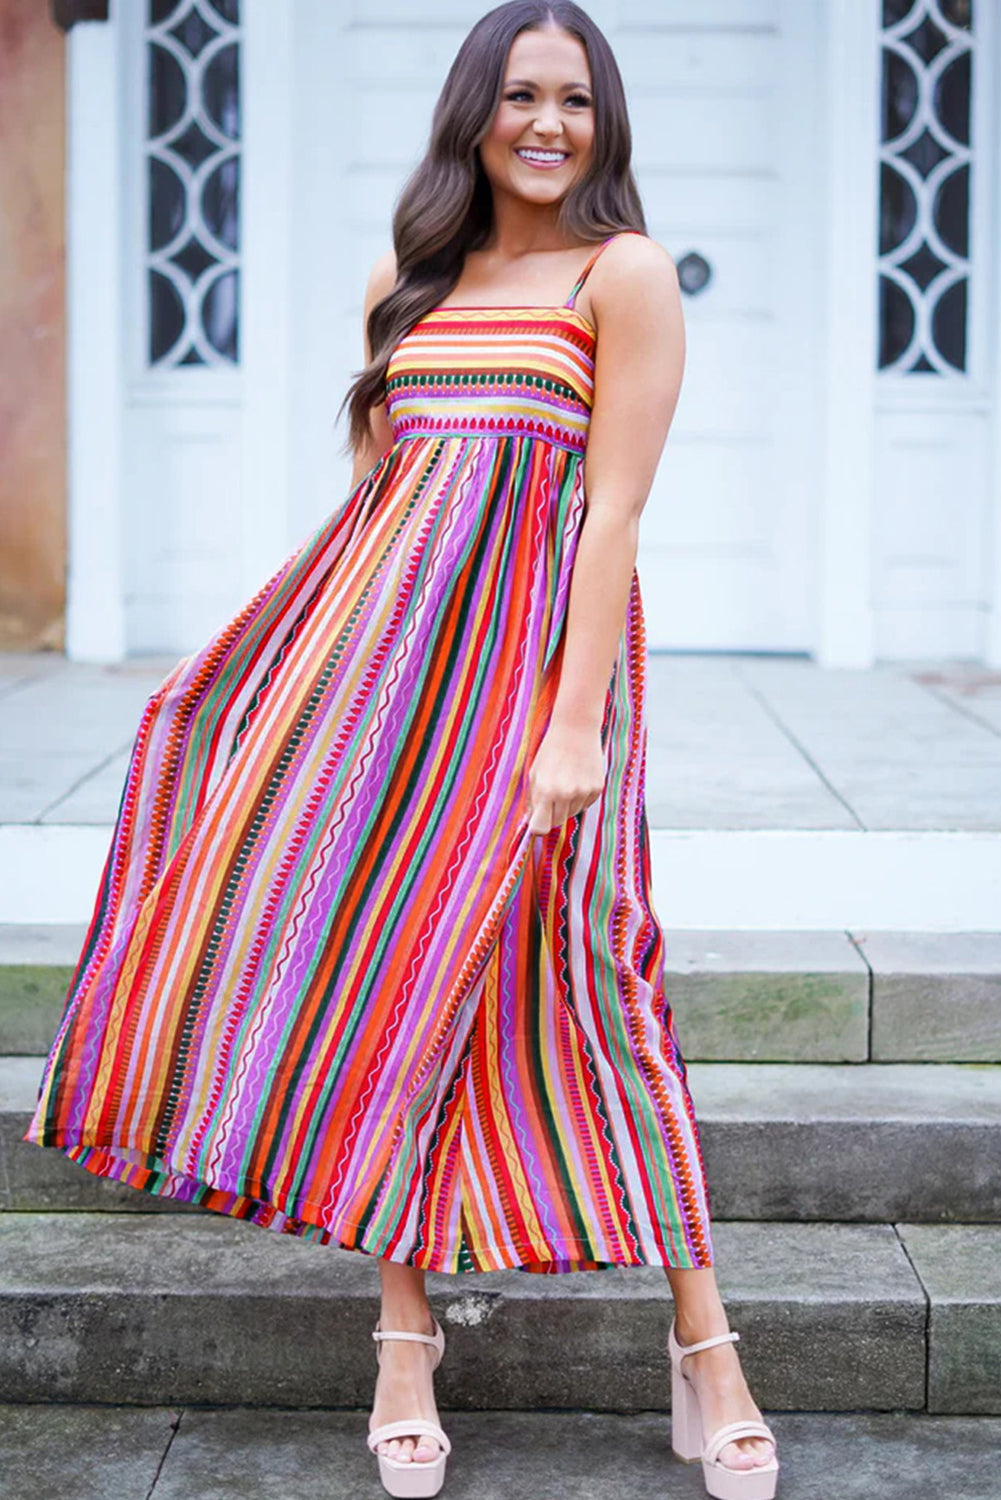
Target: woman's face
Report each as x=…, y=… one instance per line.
x=541, y=136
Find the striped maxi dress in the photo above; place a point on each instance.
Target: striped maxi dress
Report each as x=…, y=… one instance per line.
x=331, y=985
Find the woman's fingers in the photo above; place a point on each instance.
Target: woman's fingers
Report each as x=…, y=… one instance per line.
x=548, y=813
x=540, y=820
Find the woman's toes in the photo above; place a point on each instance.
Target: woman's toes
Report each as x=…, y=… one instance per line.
x=734, y=1457
x=762, y=1450
x=404, y=1449
x=747, y=1453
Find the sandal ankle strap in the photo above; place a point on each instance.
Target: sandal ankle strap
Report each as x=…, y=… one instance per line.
x=718, y=1338
x=417, y=1338
x=436, y=1339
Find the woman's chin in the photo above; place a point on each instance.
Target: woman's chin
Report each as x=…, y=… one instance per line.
x=545, y=188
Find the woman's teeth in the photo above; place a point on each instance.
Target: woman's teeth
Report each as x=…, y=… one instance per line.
x=542, y=158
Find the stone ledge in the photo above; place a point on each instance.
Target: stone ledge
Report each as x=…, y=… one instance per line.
x=782, y=1141
x=935, y=996
x=960, y=1269
x=152, y=1308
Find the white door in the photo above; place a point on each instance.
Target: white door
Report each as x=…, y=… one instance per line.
x=724, y=102
x=183, y=500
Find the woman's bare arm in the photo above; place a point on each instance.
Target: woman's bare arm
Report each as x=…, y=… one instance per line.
x=636, y=306
x=639, y=363
x=381, y=281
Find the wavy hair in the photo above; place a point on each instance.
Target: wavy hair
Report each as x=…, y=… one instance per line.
x=445, y=208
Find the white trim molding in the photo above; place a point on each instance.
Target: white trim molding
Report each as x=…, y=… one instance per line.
x=267, y=213
x=95, y=616
x=990, y=56
x=845, y=627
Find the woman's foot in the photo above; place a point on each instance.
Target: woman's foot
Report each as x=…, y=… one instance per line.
x=723, y=1395
x=404, y=1386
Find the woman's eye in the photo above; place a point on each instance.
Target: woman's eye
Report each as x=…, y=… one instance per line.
x=524, y=94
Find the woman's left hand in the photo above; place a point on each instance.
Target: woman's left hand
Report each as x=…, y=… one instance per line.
x=567, y=775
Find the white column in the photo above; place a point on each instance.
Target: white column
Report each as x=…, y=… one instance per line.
x=990, y=153
x=95, y=620
x=845, y=636
x=266, y=214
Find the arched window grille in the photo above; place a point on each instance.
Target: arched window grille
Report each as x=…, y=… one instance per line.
x=926, y=162
x=192, y=52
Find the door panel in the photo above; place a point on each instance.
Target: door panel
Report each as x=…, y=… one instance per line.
x=723, y=99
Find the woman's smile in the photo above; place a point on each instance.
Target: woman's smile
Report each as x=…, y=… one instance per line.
x=541, y=157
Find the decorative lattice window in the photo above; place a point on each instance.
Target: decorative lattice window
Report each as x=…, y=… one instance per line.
x=924, y=197
x=192, y=50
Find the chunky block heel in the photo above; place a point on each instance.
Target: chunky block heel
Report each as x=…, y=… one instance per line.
x=686, y=1423
x=722, y=1482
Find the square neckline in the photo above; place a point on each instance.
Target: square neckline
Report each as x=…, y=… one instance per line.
x=542, y=306
x=546, y=307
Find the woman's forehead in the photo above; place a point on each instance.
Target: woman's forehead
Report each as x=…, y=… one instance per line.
x=548, y=49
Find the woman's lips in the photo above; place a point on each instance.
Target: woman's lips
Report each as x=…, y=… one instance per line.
x=540, y=165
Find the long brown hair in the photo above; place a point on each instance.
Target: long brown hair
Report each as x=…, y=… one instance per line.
x=446, y=206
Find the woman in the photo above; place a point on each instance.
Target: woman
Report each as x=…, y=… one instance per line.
x=374, y=960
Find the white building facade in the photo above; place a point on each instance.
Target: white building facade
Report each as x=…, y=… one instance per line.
x=825, y=173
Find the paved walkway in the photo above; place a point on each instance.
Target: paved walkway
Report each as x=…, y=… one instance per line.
x=780, y=794
x=159, y=1453
x=735, y=742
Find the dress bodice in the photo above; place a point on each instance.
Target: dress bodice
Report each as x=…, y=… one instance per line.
x=494, y=371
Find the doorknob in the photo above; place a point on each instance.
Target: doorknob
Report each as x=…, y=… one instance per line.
x=694, y=273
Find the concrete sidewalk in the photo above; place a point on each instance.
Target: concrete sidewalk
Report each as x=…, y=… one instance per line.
x=735, y=742
x=201, y=1453
x=780, y=794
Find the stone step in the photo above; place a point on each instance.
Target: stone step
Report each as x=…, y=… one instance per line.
x=825, y=996
x=865, y=1142
x=154, y=1309
x=836, y=996
x=826, y=1141
x=260, y=1453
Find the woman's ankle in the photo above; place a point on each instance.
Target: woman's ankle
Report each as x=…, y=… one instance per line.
x=692, y=1326
x=406, y=1317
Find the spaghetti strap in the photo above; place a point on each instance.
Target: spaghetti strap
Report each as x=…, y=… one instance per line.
x=587, y=269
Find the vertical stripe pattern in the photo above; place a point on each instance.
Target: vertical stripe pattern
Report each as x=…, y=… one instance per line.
x=331, y=985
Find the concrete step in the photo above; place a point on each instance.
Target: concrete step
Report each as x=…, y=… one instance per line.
x=836, y=996
x=865, y=1142
x=153, y=1309
x=826, y=1141
x=824, y=996
x=115, y=1453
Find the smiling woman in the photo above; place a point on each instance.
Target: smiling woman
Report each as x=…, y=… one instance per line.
x=547, y=128
x=515, y=189
x=375, y=960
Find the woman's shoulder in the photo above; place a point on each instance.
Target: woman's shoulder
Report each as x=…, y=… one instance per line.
x=633, y=269
x=381, y=278
x=632, y=255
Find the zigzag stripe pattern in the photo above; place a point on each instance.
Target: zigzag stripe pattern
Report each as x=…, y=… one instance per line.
x=332, y=986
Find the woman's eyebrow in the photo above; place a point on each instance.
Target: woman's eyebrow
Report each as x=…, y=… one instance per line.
x=533, y=85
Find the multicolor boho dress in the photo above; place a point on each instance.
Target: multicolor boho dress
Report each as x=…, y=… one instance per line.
x=331, y=985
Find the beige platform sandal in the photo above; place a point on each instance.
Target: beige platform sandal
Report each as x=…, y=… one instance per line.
x=413, y=1479
x=722, y=1482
